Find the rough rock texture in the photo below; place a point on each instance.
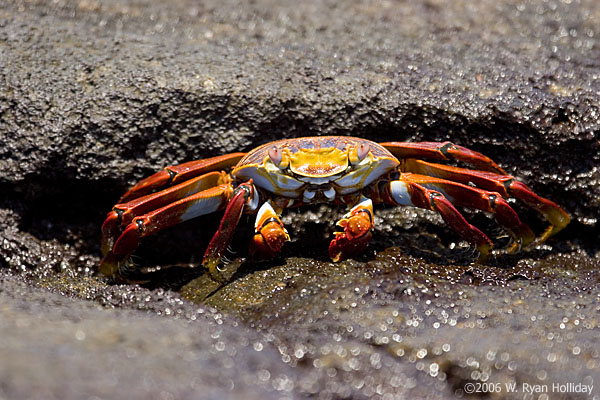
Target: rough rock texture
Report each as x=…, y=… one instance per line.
x=96, y=95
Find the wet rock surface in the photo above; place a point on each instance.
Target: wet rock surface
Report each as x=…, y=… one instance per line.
x=96, y=95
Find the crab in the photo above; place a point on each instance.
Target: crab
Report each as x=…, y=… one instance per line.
x=349, y=171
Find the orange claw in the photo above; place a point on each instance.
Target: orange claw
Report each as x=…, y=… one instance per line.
x=356, y=235
x=270, y=233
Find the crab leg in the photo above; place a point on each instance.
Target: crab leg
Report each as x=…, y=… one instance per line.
x=243, y=195
x=410, y=192
x=442, y=151
x=492, y=202
x=506, y=185
x=357, y=225
x=122, y=214
x=201, y=203
x=178, y=173
x=270, y=234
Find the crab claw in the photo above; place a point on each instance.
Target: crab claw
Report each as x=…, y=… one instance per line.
x=357, y=225
x=270, y=234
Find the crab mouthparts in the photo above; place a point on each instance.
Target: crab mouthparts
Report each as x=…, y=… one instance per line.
x=327, y=191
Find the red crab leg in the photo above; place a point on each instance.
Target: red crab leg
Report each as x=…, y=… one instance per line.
x=442, y=151
x=122, y=214
x=506, y=185
x=492, y=202
x=357, y=224
x=270, y=234
x=244, y=195
x=201, y=203
x=178, y=173
x=409, y=192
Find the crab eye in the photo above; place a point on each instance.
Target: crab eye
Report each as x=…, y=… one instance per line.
x=362, y=151
x=275, y=155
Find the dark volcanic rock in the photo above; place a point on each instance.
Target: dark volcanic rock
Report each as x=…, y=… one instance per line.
x=54, y=348
x=96, y=95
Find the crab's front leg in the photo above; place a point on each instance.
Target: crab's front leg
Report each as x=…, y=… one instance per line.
x=244, y=197
x=356, y=233
x=412, y=190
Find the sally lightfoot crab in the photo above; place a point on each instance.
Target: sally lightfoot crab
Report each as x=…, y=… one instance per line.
x=331, y=169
